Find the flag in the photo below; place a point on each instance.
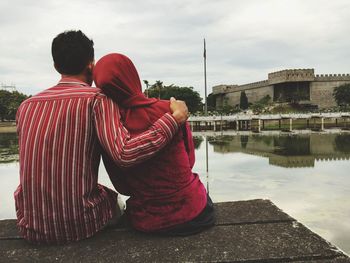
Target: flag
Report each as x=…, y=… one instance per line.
x=205, y=51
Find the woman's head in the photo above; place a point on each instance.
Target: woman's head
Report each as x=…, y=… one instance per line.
x=117, y=76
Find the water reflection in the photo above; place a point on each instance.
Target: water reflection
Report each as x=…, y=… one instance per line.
x=287, y=150
x=8, y=147
x=197, y=140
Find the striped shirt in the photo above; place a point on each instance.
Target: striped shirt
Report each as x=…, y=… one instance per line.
x=62, y=133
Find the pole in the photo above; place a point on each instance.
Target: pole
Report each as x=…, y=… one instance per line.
x=206, y=161
x=206, y=112
x=205, y=79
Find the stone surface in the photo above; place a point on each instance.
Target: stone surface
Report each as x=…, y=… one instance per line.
x=8, y=229
x=248, y=212
x=246, y=231
x=323, y=260
x=239, y=212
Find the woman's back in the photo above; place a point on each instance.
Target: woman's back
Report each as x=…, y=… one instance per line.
x=163, y=190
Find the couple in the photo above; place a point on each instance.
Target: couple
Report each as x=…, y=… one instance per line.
x=145, y=144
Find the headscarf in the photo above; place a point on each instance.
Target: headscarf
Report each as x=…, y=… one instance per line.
x=117, y=76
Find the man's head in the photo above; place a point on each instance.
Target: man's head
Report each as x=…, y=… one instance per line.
x=73, y=54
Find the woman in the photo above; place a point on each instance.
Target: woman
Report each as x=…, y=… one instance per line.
x=165, y=196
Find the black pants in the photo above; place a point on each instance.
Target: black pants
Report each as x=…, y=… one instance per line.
x=203, y=221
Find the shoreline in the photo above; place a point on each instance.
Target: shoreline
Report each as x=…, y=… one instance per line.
x=6, y=127
x=11, y=128
x=232, y=132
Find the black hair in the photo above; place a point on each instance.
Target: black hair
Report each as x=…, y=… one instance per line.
x=72, y=51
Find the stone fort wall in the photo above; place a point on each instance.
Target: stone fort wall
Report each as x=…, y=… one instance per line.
x=321, y=87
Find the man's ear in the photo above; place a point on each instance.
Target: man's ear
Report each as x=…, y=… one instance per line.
x=54, y=65
x=91, y=65
x=89, y=72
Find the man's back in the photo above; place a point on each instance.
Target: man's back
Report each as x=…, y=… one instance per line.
x=58, y=198
x=62, y=132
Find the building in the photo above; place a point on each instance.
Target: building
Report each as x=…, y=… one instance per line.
x=290, y=85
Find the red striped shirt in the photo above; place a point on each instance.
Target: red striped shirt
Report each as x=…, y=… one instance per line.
x=62, y=132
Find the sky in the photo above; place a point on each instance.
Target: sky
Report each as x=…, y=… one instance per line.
x=245, y=39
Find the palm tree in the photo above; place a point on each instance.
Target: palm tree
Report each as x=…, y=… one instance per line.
x=147, y=83
x=159, y=85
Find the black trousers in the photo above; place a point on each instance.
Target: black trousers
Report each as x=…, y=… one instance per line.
x=204, y=220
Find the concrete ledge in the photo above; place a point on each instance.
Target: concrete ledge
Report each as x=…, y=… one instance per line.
x=246, y=231
x=249, y=212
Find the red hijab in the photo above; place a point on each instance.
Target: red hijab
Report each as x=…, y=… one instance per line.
x=117, y=76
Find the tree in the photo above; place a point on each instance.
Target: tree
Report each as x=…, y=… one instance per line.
x=159, y=86
x=259, y=106
x=341, y=95
x=147, y=84
x=9, y=103
x=243, y=101
x=226, y=108
x=211, y=101
x=342, y=143
x=197, y=141
x=187, y=94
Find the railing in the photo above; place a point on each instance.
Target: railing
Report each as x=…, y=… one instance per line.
x=246, y=117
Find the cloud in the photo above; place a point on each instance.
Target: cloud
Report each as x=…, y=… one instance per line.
x=245, y=39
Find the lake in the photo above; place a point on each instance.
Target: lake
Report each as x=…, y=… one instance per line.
x=306, y=175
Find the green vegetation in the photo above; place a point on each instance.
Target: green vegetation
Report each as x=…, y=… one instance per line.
x=261, y=105
x=342, y=95
x=211, y=101
x=8, y=147
x=187, y=94
x=197, y=141
x=342, y=142
x=243, y=101
x=9, y=103
x=227, y=109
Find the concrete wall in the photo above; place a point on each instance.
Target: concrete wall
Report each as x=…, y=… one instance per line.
x=321, y=92
x=253, y=95
x=321, y=87
x=320, y=146
x=256, y=94
x=291, y=75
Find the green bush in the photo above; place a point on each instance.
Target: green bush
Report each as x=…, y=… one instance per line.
x=341, y=95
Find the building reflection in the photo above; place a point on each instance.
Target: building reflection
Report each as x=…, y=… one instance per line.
x=282, y=150
x=287, y=150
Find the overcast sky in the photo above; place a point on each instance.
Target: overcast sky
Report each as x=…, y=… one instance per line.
x=245, y=39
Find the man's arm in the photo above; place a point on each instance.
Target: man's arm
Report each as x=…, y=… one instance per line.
x=125, y=150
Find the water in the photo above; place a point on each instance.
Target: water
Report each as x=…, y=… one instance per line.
x=306, y=175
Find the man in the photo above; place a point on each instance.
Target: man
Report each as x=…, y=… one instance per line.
x=62, y=133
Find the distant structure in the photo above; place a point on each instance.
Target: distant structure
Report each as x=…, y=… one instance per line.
x=290, y=85
x=284, y=151
x=11, y=87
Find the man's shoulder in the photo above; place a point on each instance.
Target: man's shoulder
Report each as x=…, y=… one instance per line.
x=89, y=94
x=66, y=92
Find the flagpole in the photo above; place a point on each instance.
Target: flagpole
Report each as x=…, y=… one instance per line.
x=206, y=113
x=205, y=79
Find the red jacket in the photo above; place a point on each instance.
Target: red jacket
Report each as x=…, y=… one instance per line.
x=163, y=191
